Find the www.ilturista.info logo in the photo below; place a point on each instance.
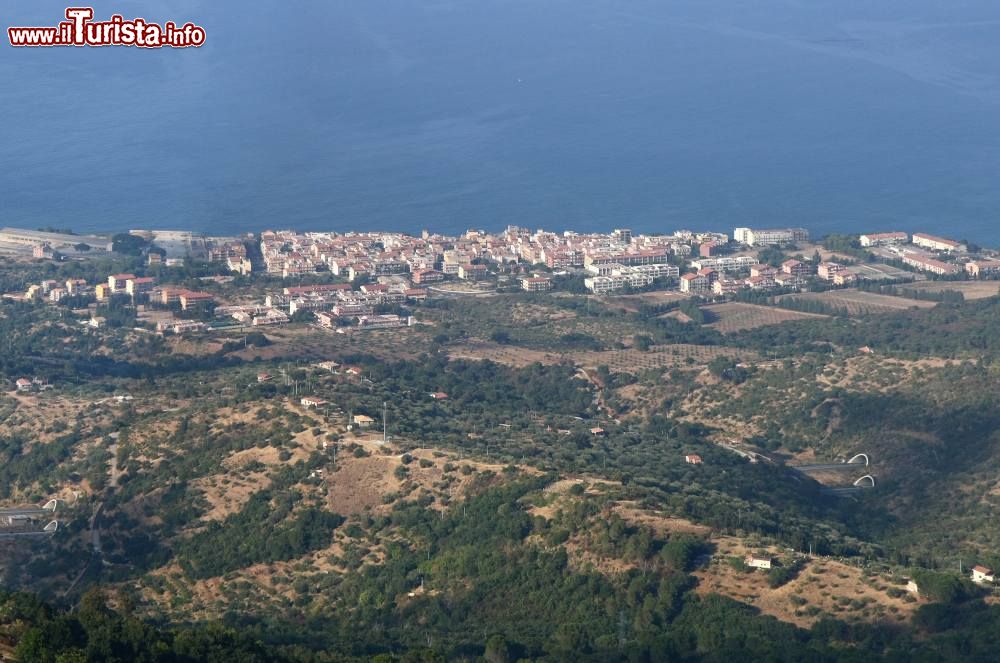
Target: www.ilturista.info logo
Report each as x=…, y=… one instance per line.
x=80, y=29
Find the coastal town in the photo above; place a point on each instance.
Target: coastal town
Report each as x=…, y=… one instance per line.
x=359, y=281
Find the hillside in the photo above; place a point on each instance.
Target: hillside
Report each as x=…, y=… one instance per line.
x=547, y=478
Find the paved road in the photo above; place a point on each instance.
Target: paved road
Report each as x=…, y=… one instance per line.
x=29, y=512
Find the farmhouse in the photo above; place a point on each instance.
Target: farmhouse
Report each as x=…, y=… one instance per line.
x=362, y=420
x=312, y=401
x=982, y=575
x=693, y=459
x=758, y=562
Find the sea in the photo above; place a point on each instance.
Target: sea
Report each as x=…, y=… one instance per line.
x=836, y=115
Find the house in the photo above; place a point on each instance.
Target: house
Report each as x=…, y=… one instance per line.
x=982, y=575
x=23, y=384
x=439, y=396
x=312, y=401
x=758, y=562
x=97, y=322
x=597, y=431
x=263, y=377
x=693, y=459
x=912, y=588
x=362, y=420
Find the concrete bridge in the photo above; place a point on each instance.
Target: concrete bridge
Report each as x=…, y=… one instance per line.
x=25, y=521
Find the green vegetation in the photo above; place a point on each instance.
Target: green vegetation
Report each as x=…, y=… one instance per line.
x=245, y=526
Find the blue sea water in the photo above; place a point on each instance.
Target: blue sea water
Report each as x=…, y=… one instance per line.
x=449, y=114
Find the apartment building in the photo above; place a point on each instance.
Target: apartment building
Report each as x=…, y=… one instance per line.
x=798, y=268
x=536, y=284
x=117, y=282
x=139, y=285
x=981, y=268
x=930, y=265
x=884, y=239
x=725, y=263
x=938, y=243
x=770, y=236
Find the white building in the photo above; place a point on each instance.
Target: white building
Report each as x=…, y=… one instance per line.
x=884, y=239
x=758, y=562
x=770, y=236
x=937, y=243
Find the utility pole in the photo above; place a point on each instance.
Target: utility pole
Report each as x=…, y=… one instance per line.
x=385, y=422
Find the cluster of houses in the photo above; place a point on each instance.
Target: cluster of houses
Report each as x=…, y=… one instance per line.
x=792, y=274
x=138, y=288
x=24, y=385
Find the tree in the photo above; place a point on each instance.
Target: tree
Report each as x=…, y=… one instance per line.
x=127, y=244
x=82, y=247
x=497, y=650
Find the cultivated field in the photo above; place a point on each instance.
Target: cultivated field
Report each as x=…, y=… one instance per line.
x=970, y=289
x=733, y=316
x=880, y=272
x=856, y=302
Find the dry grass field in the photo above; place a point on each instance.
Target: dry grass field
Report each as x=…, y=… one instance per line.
x=508, y=355
x=632, y=302
x=857, y=303
x=733, y=316
x=824, y=587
